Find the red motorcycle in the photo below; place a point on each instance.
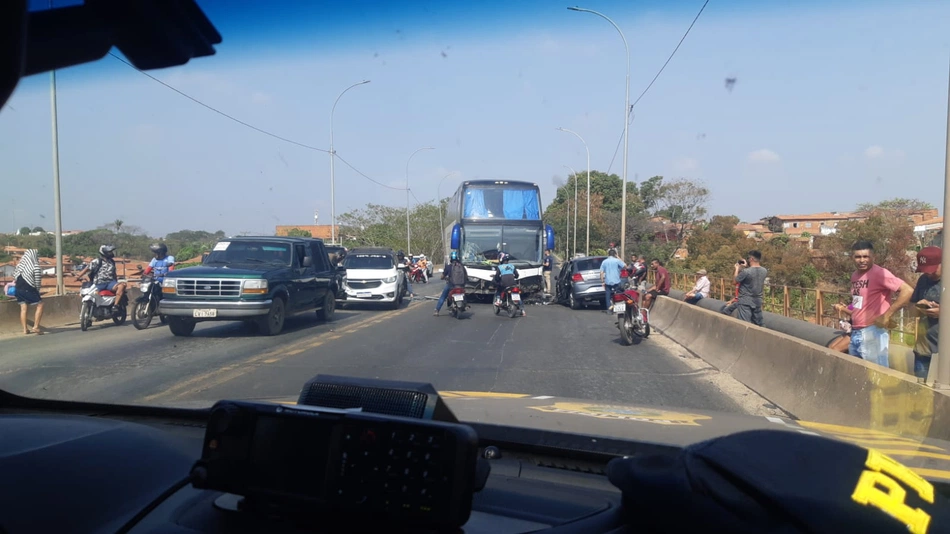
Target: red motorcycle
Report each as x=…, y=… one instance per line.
x=416, y=275
x=632, y=320
x=510, y=302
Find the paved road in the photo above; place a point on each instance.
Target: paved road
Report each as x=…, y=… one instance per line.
x=553, y=351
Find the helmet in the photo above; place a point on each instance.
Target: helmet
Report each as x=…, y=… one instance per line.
x=401, y=254
x=422, y=256
x=107, y=251
x=454, y=256
x=159, y=248
x=503, y=257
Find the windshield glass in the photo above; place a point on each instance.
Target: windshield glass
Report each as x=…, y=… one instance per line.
x=778, y=168
x=368, y=261
x=250, y=252
x=590, y=264
x=483, y=243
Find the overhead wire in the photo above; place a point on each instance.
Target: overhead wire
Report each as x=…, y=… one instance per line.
x=635, y=102
x=251, y=126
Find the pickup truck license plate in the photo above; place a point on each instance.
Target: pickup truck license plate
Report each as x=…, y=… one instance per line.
x=204, y=313
x=620, y=307
x=458, y=298
x=515, y=297
x=363, y=294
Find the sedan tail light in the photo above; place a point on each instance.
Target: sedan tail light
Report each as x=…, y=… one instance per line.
x=577, y=278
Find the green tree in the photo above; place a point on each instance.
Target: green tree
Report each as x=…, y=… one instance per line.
x=896, y=205
x=38, y=229
x=385, y=226
x=683, y=202
x=650, y=191
x=24, y=231
x=892, y=237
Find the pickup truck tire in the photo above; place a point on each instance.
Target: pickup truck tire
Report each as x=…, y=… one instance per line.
x=329, y=306
x=180, y=326
x=272, y=323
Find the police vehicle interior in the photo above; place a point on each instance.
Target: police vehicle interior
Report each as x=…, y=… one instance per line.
x=349, y=455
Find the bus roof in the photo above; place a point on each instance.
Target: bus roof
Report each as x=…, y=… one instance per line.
x=498, y=182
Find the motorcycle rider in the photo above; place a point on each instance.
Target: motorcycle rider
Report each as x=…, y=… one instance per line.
x=162, y=263
x=454, y=275
x=401, y=258
x=423, y=264
x=102, y=272
x=505, y=276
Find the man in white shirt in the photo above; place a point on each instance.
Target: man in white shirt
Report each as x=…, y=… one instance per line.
x=700, y=290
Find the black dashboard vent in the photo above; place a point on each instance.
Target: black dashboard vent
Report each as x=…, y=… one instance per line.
x=376, y=400
x=405, y=399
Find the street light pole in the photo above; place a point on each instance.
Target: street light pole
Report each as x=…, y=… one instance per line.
x=408, y=233
x=57, y=202
x=332, y=174
x=941, y=359
x=626, y=123
x=567, y=252
x=587, y=252
x=438, y=200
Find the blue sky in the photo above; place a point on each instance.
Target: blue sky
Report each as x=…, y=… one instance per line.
x=833, y=105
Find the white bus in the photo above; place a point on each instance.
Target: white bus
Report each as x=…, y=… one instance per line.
x=487, y=217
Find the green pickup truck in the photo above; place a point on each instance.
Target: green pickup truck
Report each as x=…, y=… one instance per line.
x=259, y=280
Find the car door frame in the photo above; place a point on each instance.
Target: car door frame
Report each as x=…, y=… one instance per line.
x=325, y=273
x=304, y=279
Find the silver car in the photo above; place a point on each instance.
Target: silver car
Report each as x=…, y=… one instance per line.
x=578, y=283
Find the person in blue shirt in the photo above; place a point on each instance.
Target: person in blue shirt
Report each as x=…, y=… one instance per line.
x=610, y=276
x=505, y=276
x=162, y=263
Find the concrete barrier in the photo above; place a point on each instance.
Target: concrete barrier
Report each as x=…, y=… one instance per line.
x=901, y=357
x=804, y=378
x=58, y=311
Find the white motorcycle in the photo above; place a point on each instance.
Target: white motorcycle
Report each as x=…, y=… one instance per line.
x=98, y=306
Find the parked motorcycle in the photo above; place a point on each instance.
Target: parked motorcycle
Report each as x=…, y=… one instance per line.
x=632, y=320
x=457, y=303
x=510, y=301
x=146, y=306
x=98, y=306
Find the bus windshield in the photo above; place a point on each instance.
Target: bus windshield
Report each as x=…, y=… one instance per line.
x=482, y=243
x=502, y=203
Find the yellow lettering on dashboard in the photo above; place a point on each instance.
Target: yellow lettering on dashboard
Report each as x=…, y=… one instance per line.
x=878, y=486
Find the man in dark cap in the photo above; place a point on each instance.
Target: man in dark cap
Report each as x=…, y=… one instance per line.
x=926, y=299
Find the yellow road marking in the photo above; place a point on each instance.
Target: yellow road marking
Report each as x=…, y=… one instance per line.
x=916, y=454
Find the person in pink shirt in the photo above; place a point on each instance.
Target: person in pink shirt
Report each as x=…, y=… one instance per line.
x=871, y=289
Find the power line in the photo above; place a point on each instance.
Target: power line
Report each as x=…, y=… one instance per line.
x=657, y=76
x=251, y=126
x=219, y=112
x=357, y=171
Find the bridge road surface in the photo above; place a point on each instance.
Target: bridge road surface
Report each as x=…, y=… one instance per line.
x=553, y=351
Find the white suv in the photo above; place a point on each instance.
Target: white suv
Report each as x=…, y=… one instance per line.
x=372, y=275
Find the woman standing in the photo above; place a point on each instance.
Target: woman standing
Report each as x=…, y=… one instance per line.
x=28, y=277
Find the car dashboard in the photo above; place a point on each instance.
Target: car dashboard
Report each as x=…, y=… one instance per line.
x=70, y=467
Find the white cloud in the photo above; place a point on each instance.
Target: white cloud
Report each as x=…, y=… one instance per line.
x=874, y=152
x=685, y=165
x=764, y=155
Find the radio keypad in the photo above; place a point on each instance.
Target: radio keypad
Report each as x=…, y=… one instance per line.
x=393, y=470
